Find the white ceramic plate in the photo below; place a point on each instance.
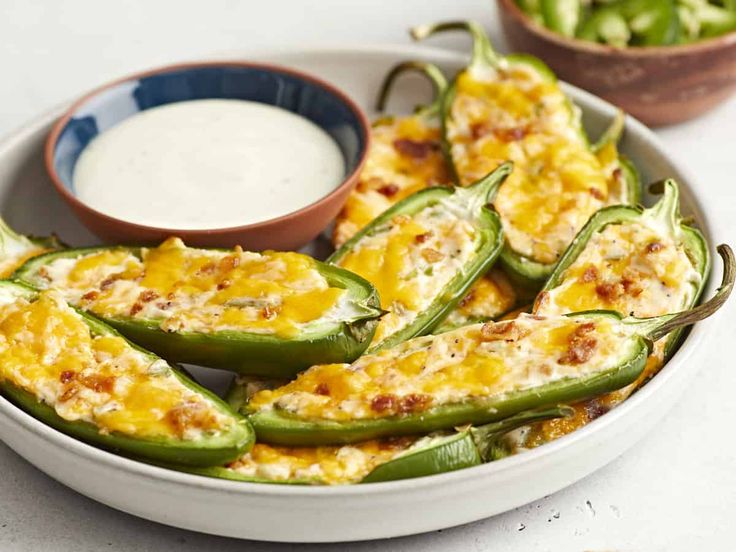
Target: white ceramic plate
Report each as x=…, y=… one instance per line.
x=317, y=514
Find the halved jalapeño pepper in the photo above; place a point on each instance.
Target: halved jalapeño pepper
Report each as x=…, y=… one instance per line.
x=424, y=253
x=512, y=108
x=404, y=157
x=81, y=377
x=377, y=460
x=638, y=262
x=268, y=313
x=474, y=375
x=16, y=249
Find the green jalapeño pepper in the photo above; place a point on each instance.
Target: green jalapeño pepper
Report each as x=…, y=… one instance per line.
x=81, y=377
x=377, y=460
x=473, y=375
x=15, y=248
x=561, y=16
x=638, y=262
x=424, y=253
x=269, y=314
x=512, y=108
x=404, y=156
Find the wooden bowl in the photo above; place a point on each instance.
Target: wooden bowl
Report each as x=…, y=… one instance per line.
x=659, y=85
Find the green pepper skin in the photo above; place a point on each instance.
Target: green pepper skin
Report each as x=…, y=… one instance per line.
x=464, y=449
x=486, y=221
x=561, y=16
x=523, y=271
x=279, y=427
x=242, y=352
x=660, y=23
x=667, y=212
x=201, y=452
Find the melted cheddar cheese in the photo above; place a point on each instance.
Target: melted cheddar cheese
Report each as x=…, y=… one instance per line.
x=410, y=260
x=490, y=297
x=636, y=268
x=557, y=183
x=198, y=290
x=47, y=349
x=484, y=360
x=321, y=465
x=633, y=268
x=404, y=158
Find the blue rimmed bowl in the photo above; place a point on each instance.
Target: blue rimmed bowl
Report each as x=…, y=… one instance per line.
x=305, y=95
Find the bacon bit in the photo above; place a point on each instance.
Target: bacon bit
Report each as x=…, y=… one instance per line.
x=594, y=409
x=584, y=328
x=492, y=331
x=171, y=295
x=268, y=312
x=90, y=296
x=110, y=280
x=414, y=402
x=136, y=308
x=421, y=238
x=432, y=255
x=224, y=285
x=480, y=129
x=590, y=275
x=190, y=415
x=654, y=247
x=388, y=190
x=164, y=305
x=617, y=173
x=229, y=263
x=70, y=392
x=580, y=346
x=98, y=383
x=465, y=301
x=415, y=149
x=66, y=376
x=322, y=389
x=43, y=273
x=607, y=291
x=596, y=193
x=148, y=295
x=207, y=268
x=510, y=134
x=383, y=403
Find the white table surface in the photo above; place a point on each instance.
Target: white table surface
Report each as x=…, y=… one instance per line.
x=675, y=491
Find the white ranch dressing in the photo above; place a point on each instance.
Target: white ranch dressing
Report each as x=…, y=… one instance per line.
x=206, y=164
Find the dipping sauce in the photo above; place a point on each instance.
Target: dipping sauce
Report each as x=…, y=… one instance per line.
x=206, y=164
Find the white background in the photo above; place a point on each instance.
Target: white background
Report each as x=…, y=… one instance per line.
x=675, y=491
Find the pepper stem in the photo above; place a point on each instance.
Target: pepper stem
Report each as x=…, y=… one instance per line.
x=432, y=72
x=482, y=192
x=612, y=134
x=660, y=326
x=483, y=53
x=487, y=437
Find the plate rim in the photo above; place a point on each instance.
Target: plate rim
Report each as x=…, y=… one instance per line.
x=694, y=340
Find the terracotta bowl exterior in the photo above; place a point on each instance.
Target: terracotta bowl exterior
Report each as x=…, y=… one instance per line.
x=300, y=93
x=659, y=85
